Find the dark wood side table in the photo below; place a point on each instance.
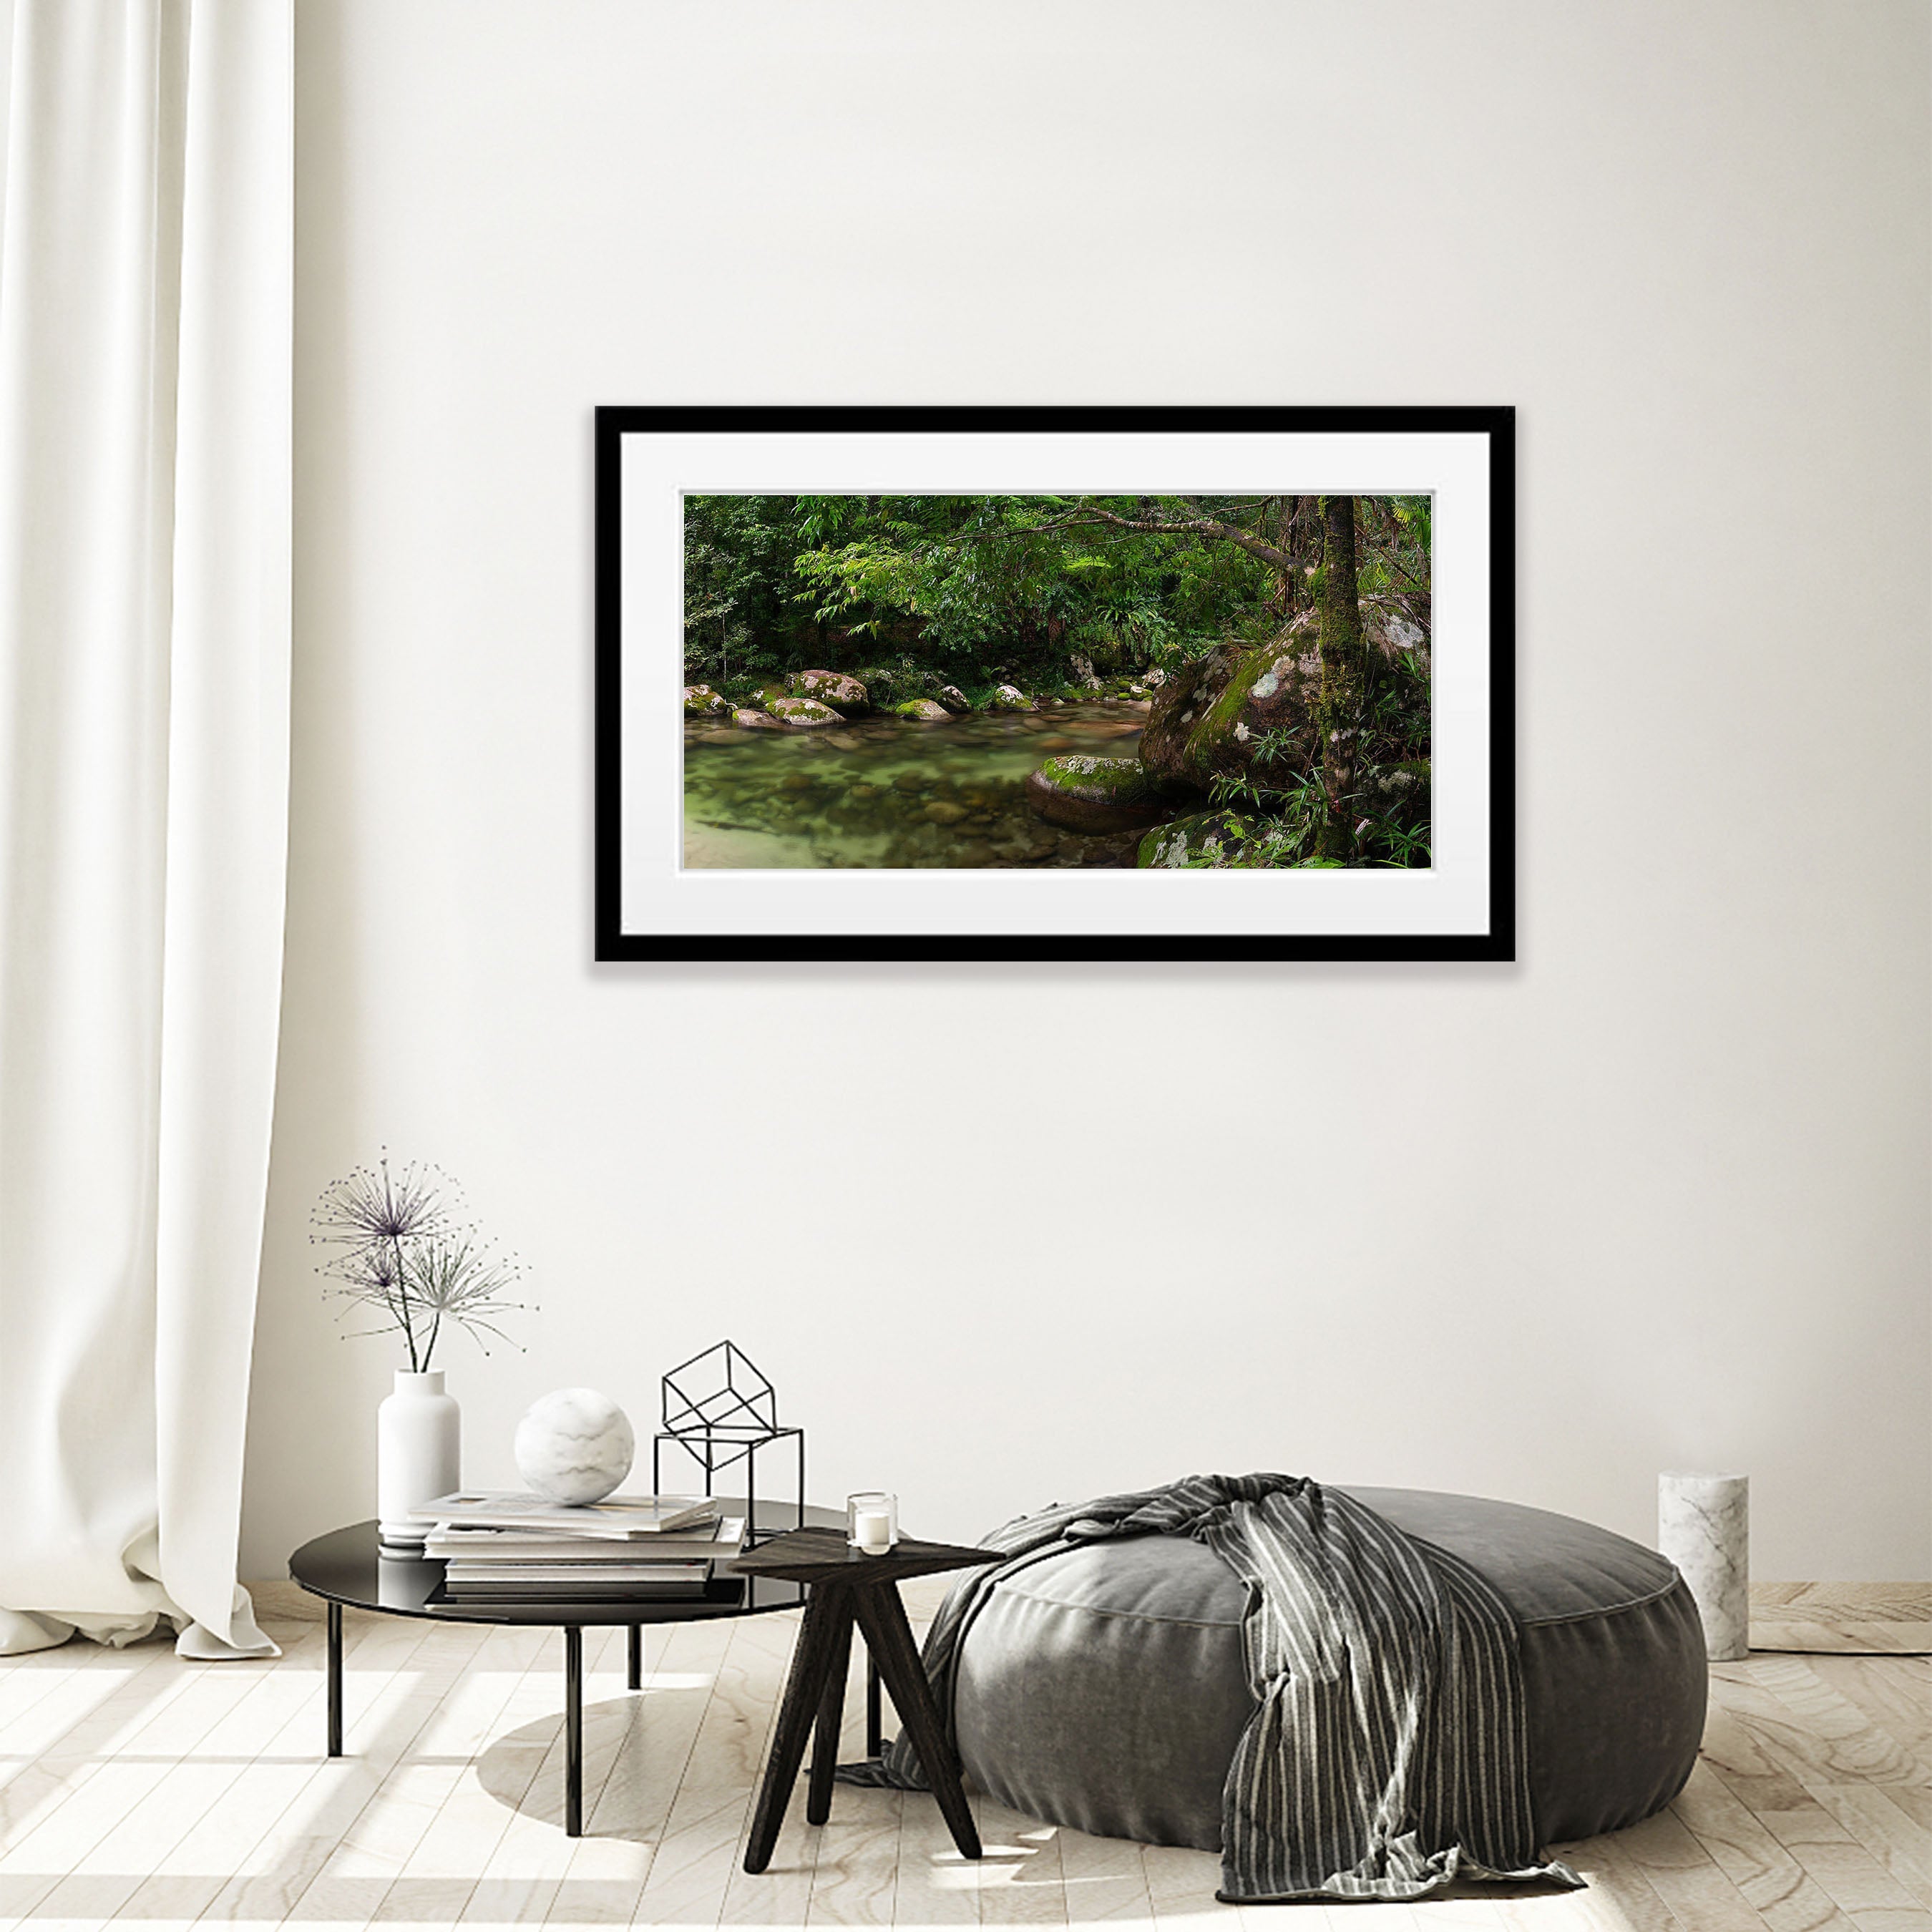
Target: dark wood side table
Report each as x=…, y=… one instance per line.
x=845, y=1586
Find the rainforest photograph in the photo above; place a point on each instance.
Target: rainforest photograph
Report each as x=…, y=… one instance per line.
x=1042, y=682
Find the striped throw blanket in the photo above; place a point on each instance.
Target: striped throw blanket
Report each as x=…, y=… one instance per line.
x=1387, y=1751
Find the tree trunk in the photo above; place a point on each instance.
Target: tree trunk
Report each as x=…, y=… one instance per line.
x=1344, y=674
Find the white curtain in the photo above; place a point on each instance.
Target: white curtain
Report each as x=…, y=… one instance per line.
x=145, y=361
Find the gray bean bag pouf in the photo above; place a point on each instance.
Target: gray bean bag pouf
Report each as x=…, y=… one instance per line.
x=1104, y=1688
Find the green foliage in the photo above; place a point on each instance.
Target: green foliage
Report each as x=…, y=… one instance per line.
x=955, y=582
x=910, y=593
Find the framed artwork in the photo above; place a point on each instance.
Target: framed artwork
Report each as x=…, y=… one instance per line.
x=1032, y=684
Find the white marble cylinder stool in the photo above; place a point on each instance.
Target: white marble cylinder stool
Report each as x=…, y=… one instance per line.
x=1703, y=1526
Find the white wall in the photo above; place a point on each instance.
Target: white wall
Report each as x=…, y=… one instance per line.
x=1654, y=1197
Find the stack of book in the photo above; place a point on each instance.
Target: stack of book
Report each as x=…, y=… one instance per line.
x=520, y=1548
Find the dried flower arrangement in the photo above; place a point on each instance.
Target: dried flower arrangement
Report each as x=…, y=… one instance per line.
x=406, y=1253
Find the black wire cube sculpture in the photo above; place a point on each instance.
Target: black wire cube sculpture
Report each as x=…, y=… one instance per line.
x=719, y=1407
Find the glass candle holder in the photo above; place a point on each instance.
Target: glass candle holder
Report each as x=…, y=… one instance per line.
x=872, y=1521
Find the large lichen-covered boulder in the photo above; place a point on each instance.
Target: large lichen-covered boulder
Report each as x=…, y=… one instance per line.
x=806, y=713
x=1007, y=697
x=1209, y=719
x=701, y=701
x=1096, y=794
x=830, y=687
x=1199, y=839
x=1392, y=628
x=923, y=711
x=954, y=699
x=755, y=720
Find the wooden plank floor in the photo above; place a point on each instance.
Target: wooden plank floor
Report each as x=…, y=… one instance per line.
x=139, y=1791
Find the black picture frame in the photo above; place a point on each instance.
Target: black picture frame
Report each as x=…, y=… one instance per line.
x=1495, y=425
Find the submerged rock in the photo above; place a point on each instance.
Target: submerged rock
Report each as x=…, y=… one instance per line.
x=806, y=713
x=943, y=811
x=830, y=687
x=1095, y=794
x=701, y=701
x=1006, y=697
x=922, y=710
x=954, y=699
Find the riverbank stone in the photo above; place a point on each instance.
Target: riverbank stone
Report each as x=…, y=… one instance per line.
x=701, y=701
x=1403, y=789
x=805, y=714
x=1008, y=698
x=1208, y=720
x=843, y=693
x=755, y=720
x=922, y=711
x=954, y=700
x=1087, y=794
x=1211, y=837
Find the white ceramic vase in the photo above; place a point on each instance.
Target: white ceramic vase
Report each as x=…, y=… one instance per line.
x=418, y=1454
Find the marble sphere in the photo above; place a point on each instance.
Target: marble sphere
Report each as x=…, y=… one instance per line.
x=574, y=1446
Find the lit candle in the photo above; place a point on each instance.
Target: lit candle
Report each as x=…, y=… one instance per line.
x=874, y=1531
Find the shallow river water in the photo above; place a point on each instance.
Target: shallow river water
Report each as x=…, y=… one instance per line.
x=883, y=792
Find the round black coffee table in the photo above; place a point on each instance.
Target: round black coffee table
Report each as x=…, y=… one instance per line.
x=350, y=1566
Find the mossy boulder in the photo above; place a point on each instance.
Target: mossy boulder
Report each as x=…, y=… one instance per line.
x=923, y=711
x=807, y=714
x=954, y=699
x=1403, y=790
x=701, y=701
x=1096, y=794
x=1394, y=629
x=1208, y=719
x=1202, y=837
x=755, y=720
x=1009, y=698
x=834, y=688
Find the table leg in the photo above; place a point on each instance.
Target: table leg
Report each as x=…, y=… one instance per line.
x=636, y=1660
x=573, y=1731
x=883, y=1618
x=875, y=1727
x=804, y=1690
x=335, y=1680
x=831, y=1714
